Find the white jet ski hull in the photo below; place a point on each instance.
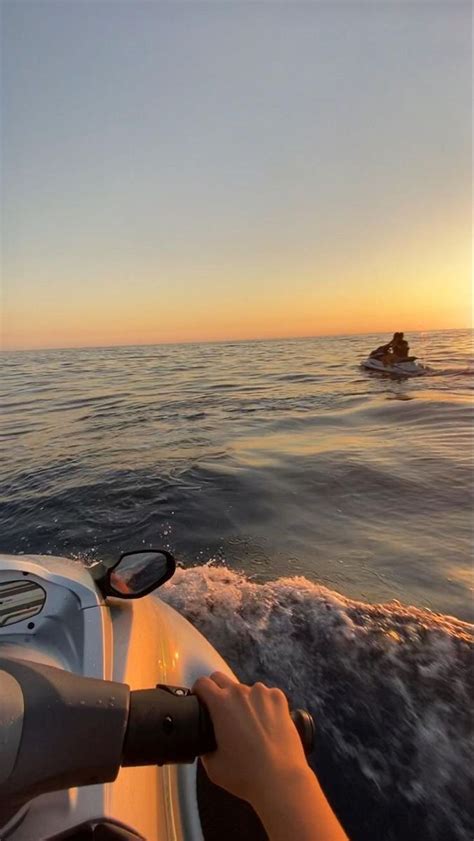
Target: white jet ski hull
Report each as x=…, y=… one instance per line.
x=404, y=369
x=140, y=642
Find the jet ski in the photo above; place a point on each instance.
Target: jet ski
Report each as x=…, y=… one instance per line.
x=100, y=732
x=410, y=368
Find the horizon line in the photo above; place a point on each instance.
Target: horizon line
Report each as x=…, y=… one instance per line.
x=226, y=341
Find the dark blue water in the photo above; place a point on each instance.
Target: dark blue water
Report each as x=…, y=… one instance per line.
x=275, y=460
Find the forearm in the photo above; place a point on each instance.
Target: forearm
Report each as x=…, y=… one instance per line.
x=299, y=810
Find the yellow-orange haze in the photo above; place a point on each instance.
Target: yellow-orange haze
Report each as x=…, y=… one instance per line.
x=211, y=307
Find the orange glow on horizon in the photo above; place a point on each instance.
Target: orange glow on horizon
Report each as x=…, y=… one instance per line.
x=99, y=334
x=436, y=293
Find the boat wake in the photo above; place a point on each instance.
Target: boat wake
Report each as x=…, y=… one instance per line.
x=389, y=685
x=450, y=372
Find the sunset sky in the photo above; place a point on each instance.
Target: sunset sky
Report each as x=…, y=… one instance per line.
x=178, y=171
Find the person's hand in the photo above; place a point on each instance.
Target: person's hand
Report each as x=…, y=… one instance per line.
x=257, y=743
x=260, y=758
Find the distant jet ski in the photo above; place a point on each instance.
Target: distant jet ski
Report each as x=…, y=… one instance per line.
x=408, y=368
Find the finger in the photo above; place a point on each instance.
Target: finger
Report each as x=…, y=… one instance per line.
x=267, y=700
x=207, y=691
x=222, y=680
x=279, y=698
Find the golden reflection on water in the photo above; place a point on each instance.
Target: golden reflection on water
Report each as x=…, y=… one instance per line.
x=258, y=449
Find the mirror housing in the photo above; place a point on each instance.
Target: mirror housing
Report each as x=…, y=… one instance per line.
x=135, y=574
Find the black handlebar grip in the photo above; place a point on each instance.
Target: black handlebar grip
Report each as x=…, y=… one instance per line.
x=169, y=725
x=304, y=723
x=164, y=728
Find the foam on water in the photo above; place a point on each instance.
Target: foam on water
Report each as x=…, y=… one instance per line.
x=389, y=685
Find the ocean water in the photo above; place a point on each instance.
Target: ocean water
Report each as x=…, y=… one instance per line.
x=279, y=458
x=299, y=492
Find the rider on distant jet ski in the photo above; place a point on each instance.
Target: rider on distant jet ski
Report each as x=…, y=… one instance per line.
x=401, y=349
x=394, y=351
x=380, y=352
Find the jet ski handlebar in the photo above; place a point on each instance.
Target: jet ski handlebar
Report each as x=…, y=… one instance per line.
x=60, y=730
x=170, y=725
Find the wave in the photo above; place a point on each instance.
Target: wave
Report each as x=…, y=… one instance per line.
x=451, y=372
x=389, y=685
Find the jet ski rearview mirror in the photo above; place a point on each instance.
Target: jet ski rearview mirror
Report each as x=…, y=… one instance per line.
x=135, y=574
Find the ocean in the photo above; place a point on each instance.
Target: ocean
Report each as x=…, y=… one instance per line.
x=322, y=518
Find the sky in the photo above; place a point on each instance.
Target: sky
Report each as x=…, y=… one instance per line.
x=186, y=171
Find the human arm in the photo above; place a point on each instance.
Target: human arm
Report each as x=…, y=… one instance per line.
x=260, y=759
